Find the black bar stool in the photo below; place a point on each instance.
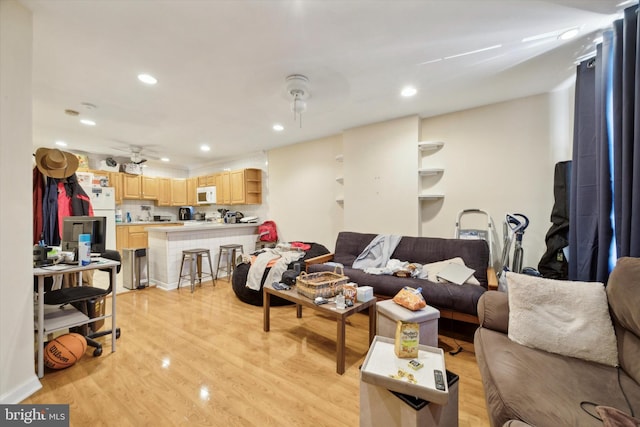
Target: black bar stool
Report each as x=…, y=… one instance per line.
x=194, y=256
x=230, y=266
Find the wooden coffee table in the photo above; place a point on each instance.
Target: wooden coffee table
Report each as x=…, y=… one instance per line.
x=328, y=309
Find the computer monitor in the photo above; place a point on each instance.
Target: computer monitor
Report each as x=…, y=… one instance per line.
x=74, y=226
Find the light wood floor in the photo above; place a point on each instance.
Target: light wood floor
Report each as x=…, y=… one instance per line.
x=203, y=359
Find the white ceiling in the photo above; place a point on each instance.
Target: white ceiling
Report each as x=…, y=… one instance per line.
x=221, y=66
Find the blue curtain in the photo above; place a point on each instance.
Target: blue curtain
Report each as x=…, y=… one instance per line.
x=605, y=189
x=626, y=122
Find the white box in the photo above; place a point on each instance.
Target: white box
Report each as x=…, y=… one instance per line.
x=388, y=314
x=365, y=293
x=386, y=401
x=380, y=407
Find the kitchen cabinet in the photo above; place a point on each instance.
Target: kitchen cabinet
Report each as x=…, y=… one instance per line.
x=223, y=188
x=192, y=188
x=131, y=186
x=164, y=192
x=246, y=186
x=135, y=235
x=149, y=188
x=206, y=180
x=179, y=192
x=115, y=181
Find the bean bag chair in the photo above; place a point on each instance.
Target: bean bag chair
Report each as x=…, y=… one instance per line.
x=239, y=279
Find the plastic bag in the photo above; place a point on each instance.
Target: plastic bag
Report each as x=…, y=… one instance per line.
x=410, y=298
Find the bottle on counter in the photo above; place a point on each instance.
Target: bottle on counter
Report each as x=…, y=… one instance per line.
x=128, y=216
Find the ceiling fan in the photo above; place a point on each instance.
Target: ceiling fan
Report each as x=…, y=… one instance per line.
x=136, y=155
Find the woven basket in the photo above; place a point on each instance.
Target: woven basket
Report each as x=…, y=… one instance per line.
x=322, y=284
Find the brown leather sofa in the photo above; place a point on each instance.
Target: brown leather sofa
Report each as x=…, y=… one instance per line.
x=546, y=389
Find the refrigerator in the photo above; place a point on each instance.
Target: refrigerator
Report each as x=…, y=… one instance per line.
x=103, y=201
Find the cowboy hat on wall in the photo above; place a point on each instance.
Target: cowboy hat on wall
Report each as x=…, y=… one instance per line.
x=56, y=163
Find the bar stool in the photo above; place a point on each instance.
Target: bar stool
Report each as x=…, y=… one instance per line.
x=195, y=256
x=227, y=250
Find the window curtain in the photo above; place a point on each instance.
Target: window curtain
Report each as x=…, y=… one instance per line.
x=606, y=156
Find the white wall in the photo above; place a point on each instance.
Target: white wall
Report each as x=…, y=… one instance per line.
x=17, y=378
x=303, y=191
x=499, y=158
x=381, y=178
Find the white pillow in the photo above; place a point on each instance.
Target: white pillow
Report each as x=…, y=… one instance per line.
x=562, y=317
x=430, y=271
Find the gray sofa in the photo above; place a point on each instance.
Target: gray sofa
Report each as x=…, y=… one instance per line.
x=454, y=301
x=546, y=389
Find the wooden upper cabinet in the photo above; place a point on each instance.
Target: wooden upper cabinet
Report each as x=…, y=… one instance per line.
x=202, y=180
x=223, y=188
x=192, y=188
x=115, y=181
x=236, y=179
x=246, y=186
x=253, y=186
x=131, y=186
x=164, y=191
x=149, y=187
x=178, y=192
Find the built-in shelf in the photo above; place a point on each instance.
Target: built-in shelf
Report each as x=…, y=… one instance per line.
x=340, y=179
x=340, y=199
x=430, y=171
x=427, y=197
x=339, y=158
x=430, y=145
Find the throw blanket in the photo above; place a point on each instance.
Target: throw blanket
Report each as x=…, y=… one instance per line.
x=397, y=267
x=256, y=271
x=378, y=252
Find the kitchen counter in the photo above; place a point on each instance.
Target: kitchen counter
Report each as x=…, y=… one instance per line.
x=188, y=226
x=148, y=223
x=167, y=243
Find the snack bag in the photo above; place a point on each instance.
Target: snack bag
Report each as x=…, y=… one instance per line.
x=350, y=292
x=410, y=298
x=407, y=339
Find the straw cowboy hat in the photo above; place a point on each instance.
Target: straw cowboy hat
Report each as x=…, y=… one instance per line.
x=55, y=163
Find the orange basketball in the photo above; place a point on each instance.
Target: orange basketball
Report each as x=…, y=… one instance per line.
x=64, y=351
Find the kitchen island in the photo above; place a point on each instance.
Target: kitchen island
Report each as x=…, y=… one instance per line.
x=167, y=243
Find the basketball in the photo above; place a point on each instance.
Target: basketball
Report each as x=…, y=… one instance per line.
x=64, y=351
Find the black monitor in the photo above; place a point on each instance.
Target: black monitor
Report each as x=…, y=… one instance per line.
x=74, y=226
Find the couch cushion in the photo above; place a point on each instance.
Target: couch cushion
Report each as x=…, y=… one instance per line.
x=349, y=245
x=425, y=250
x=545, y=389
x=560, y=316
x=623, y=291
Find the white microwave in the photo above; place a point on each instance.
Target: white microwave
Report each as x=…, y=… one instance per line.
x=206, y=195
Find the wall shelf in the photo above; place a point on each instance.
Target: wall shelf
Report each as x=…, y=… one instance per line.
x=339, y=158
x=430, y=171
x=430, y=145
x=340, y=179
x=430, y=197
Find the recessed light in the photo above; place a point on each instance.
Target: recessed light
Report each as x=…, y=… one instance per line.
x=569, y=34
x=87, y=122
x=408, y=91
x=147, y=79
x=61, y=143
x=205, y=148
x=165, y=159
x=278, y=127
